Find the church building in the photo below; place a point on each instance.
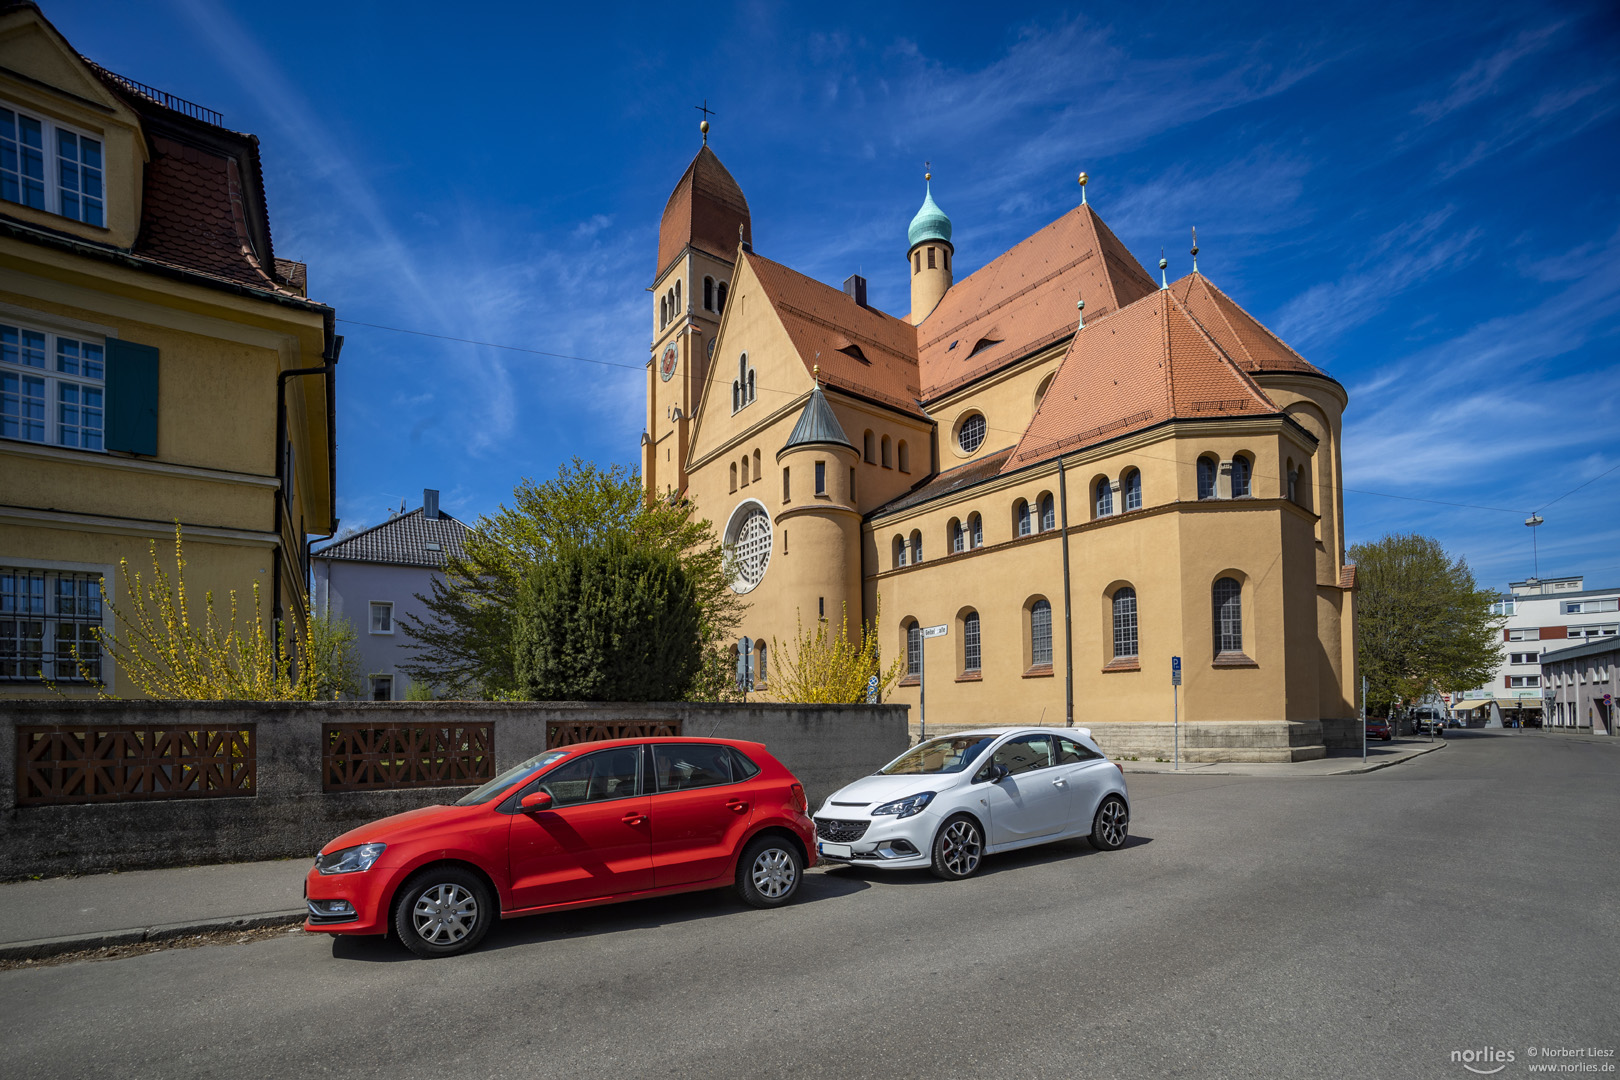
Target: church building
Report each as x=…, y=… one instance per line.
x=1078, y=471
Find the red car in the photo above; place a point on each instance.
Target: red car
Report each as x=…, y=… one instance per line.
x=590, y=824
x=1378, y=729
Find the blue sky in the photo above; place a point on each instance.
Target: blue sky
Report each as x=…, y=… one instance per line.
x=1420, y=198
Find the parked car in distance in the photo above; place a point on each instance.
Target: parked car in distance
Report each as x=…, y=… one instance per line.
x=594, y=823
x=1378, y=728
x=946, y=803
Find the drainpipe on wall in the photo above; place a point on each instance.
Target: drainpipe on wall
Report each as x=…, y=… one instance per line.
x=1068, y=620
x=334, y=346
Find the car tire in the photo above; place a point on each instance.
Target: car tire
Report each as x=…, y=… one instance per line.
x=958, y=848
x=769, y=872
x=444, y=911
x=1111, y=824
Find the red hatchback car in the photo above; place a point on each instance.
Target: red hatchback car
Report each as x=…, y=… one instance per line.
x=590, y=824
x=1378, y=728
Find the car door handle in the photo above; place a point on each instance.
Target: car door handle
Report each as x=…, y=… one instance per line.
x=737, y=805
x=634, y=818
x=1060, y=783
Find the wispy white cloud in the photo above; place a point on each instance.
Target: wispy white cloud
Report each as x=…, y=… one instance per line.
x=1486, y=75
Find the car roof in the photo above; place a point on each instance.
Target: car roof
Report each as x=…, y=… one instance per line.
x=608, y=744
x=1084, y=732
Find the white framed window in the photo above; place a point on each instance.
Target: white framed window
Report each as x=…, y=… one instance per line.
x=50, y=167
x=1523, y=681
x=1505, y=607
x=46, y=621
x=1524, y=658
x=53, y=388
x=382, y=617
x=1525, y=635
x=970, y=436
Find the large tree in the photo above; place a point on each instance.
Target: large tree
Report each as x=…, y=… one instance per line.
x=1422, y=623
x=466, y=643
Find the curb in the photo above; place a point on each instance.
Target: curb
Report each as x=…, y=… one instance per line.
x=40, y=948
x=1214, y=769
x=1375, y=766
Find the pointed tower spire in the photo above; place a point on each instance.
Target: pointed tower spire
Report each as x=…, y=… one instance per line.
x=1195, y=249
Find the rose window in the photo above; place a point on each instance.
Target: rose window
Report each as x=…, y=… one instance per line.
x=751, y=547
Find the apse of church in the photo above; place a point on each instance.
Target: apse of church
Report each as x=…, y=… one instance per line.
x=1079, y=470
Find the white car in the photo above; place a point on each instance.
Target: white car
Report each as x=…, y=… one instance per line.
x=946, y=803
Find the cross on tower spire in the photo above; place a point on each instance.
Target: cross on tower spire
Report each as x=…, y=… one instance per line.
x=704, y=125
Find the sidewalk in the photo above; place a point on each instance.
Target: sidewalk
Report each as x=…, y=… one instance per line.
x=43, y=918
x=1337, y=763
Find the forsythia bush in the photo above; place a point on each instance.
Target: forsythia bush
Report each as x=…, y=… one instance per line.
x=824, y=669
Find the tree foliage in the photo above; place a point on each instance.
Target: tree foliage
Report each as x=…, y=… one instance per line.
x=830, y=669
x=1422, y=623
x=607, y=622
x=170, y=655
x=466, y=642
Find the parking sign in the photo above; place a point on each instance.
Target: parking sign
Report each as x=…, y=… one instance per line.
x=1175, y=671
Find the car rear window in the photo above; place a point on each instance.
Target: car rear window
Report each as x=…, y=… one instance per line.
x=742, y=766
x=682, y=766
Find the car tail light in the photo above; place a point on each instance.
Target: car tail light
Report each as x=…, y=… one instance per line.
x=1121, y=769
x=797, y=800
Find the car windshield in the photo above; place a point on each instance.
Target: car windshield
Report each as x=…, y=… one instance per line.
x=511, y=776
x=951, y=754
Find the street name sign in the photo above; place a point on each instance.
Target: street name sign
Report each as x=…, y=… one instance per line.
x=934, y=631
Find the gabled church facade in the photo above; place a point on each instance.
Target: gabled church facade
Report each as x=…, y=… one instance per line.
x=1078, y=494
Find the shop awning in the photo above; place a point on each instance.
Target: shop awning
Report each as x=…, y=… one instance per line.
x=1464, y=706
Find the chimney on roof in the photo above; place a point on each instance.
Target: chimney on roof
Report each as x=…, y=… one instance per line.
x=855, y=289
x=430, y=503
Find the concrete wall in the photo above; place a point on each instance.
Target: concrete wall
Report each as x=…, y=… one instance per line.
x=826, y=746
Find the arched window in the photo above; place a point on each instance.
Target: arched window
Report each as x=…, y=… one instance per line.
x=1132, y=483
x=916, y=263
x=888, y=453
x=758, y=472
x=1022, y=523
x=733, y=476
x=970, y=642
x=750, y=384
x=720, y=297
x=958, y=538
x=677, y=298
x=1048, y=513
x=976, y=531
x=1124, y=623
x=708, y=294
x=905, y=457
x=1206, y=478
x=1105, y=497
x=1241, y=470
x=1293, y=482
x=913, y=648
x=744, y=471
x=1228, y=604
x=1040, y=634
x=916, y=546
x=1302, y=485
x=971, y=434
x=663, y=312
x=869, y=448
x=899, y=551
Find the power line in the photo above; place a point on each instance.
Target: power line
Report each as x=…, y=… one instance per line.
x=1578, y=487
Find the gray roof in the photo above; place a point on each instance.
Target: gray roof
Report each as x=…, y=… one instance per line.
x=402, y=541
x=1592, y=647
x=817, y=424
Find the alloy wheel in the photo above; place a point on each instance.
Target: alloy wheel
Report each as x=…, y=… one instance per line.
x=962, y=848
x=1114, y=822
x=774, y=873
x=444, y=914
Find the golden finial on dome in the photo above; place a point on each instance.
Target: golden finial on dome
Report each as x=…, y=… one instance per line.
x=703, y=126
x=1084, y=179
x=816, y=372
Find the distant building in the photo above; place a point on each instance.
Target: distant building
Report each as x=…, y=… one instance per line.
x=1581, y=682
x=1543, y=614
x=158, y=363
x=372, y=579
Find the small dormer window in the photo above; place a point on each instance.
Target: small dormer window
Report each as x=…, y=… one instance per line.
x=50, y=167
x=983, y=344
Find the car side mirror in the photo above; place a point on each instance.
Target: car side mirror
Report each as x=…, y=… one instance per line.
x=537, y=800
x=998, y=773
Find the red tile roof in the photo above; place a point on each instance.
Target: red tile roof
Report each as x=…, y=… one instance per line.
x=1025, y=299
x=1246, y=341
x=704, y=210
x=827, y=327
x=1141, y=366
x=942, y=484
x=192, y=214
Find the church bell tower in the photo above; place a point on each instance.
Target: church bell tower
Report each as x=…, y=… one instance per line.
x=929, y=253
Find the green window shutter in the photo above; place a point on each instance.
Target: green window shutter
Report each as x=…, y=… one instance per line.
x=132, y=397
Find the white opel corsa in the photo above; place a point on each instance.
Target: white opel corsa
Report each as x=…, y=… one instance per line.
x=948, y=802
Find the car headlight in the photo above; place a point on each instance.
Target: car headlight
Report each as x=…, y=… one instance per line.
x=349, y=860
x=911, y=804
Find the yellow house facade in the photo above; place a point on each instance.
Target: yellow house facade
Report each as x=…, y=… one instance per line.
x=1072, y=472
x=158, y=363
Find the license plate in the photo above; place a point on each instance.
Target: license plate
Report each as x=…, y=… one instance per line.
x=838, y=851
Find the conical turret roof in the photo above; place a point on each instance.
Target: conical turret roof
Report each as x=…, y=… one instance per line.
x=930, y=222
x=817, y=424
x=704, y=210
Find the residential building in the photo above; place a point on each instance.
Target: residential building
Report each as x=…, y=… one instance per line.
x=1543, y=615
x=158, y=362
x=1580, y=686
x=1163, y=479
x=373, y=578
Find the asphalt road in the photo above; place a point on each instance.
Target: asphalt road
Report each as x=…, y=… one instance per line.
x=1361, y=926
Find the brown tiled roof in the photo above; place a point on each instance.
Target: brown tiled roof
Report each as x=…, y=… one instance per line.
x=942, y=484
x=1024, y=300
x=1144, y=365
x=1347, y=576
x=192, y=214
x=827, y=326
x=704, y=210
x=1246, y=341
x=402, y=541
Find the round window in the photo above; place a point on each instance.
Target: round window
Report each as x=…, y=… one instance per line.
x=749, y=542
x=970, y=436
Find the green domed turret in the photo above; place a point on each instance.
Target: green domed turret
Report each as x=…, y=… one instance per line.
x=930, y=222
